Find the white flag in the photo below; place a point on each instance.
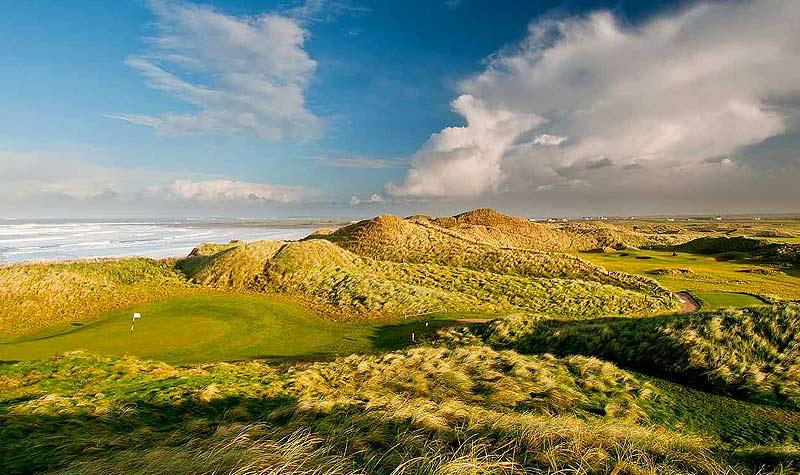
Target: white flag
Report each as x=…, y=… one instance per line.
x=137, y=315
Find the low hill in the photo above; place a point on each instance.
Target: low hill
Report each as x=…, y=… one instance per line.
x=752, y=353
x=481, y=240
x=490, y=227
x=233, y=265
x=482, y=226
x=333, y=276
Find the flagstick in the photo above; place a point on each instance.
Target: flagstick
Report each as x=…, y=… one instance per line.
x=133, y=323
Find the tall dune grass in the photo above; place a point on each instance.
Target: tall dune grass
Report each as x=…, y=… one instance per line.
x=753, y=353
x=422, y=411
x=362, y=286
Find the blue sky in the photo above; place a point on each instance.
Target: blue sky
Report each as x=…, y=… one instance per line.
x=348, y=107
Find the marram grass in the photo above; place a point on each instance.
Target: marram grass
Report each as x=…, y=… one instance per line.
x=752, y=353
x=422, y=411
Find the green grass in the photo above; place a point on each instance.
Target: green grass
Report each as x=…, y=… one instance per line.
x=752, y=353
x=362, y=287
x=424, y=411
x=706, y=273
x=206, y=328
x=256, y=329
x=713, y=300
x=36, y=296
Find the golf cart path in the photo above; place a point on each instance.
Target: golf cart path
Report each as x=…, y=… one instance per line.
x=688, y=303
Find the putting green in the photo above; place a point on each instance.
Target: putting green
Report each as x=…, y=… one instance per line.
x=712, y=300
x=205, y=328
x=201, y=328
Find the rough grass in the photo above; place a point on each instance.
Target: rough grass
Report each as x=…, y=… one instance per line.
x=335, y=277
x=40, y=295
x=745, y=249
x=719, y=245
x=424, y=411
x=482, y=240
x=455, y=265
x=460, y=408
x=752, y=353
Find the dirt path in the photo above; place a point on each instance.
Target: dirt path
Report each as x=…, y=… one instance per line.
x=688, y=303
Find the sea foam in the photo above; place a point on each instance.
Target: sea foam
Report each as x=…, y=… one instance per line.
x=57, y=241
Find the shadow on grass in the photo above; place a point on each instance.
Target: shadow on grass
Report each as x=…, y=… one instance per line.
x=35, y=442
x=400, y=335
x=62, y=439
x=389, y=337
x=665, y=347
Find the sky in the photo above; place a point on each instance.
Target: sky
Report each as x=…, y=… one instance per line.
x=269, y=109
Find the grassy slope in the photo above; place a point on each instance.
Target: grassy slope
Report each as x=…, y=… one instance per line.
x=362, y=286
x=681, y=231
x=752, y=353
x=482, y=240
x=429, y=410
x=34, y=297
x=37, y=296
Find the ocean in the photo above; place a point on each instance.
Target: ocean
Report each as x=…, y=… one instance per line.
x=53, y=240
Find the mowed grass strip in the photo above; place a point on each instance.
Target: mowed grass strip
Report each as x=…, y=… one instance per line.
x=206, y=328
x=700, y=273
x=714, y=300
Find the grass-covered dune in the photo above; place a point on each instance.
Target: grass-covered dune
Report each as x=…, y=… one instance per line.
x=40, y=295
x=468, y=410
x=420, y=393
x=482, y=240
x=229, y=295
x=751, y=353
x=351, y=284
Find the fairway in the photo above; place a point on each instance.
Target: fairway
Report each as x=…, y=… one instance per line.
x=703, y=275
x=205, y=328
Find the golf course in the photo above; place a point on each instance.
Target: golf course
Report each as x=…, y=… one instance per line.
x=205, y=328
x=714, y=281
x=474, y=343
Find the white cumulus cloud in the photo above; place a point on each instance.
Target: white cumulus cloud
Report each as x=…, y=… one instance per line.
x=373, y=198
x=256, y=69
x=673, y=92
x=237, y=191
x=547, y=139
x=465, y=161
